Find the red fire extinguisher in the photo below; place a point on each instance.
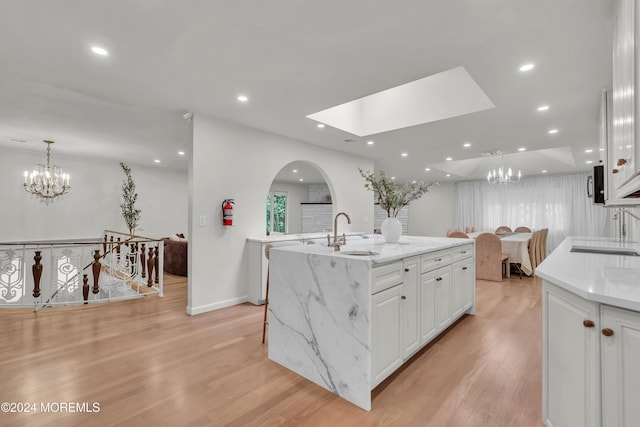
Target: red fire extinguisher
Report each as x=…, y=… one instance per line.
x=227, y=212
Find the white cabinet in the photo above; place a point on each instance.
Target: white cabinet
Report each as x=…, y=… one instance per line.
x=386, y=333
x=443, y=298
x=410, y=307
x=570, y=359
x=412, y=303
x=428, y=325
x=623, y=168
x=590, y=367
x=462, y=286
x=620, y=350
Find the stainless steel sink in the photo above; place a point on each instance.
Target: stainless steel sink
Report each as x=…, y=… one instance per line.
x=360, y=253
x=606, y=251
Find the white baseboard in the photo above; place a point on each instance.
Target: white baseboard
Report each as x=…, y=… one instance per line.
x=192, y=311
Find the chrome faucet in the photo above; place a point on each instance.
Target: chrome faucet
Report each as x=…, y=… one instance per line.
x=620, y=214
x=336, y=243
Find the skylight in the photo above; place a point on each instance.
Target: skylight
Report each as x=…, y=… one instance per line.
x=440, y=96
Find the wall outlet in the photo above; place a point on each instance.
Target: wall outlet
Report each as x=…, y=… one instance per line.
x=203, y=221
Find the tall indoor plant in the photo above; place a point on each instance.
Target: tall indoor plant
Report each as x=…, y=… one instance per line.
x=130, y=214
x=392, y=199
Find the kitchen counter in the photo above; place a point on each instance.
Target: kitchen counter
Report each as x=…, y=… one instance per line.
x=604, y=278
x=297, y=236
x=346, y=321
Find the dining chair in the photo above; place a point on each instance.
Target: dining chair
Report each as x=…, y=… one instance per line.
x=534, y=251
x=449, y=231
x=543, y=244
x=473, y=229
x=458, y=234
x=467, y=229
x=503, y=229
x=523, y=229
x=267, y=253
x=490, y=260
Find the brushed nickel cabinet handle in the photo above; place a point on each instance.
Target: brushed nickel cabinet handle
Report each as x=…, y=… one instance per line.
x=588, y=324
x=406, y=269
x=464, y=268
x=607, y=332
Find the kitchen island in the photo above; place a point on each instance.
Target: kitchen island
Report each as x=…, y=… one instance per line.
x=591, y=333
x=347, y=319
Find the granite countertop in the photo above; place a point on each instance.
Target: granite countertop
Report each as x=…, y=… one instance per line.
x=603, y=278
x=382, y=252
x=298, y=236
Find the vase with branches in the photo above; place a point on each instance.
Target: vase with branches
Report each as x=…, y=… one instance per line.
x=393, y=198
x=130, y=214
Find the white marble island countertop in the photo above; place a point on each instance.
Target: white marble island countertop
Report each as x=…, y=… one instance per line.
x=381, y=252
x=320, y=308
x=609, y=278
x=298, y=236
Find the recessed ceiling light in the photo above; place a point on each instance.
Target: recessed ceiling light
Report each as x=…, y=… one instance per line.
x=544, y=171
x=427, y=169
x=99, y=50
x=180, y=153
x=320, y=125
x=301, y=180
x=543, y=108
x=156, y=161
x=404, y=154
x=552, y=131
x=602, y=149
x=448, y=174
x=295, y=171
x=527, y=67
x=243, y=98
x=522, y=149
x=393, y=177
x=370, y=142
x=466, y=145
x=448, y=159
x=589, y=162
x=588, y=150
x=414, y=181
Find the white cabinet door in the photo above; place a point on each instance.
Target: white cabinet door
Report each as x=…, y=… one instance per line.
x=570, y=359
x=462, y=287
x=620, y=367
x=386, y=328
x=410, y=307
x=428, y=324
x=443, y=297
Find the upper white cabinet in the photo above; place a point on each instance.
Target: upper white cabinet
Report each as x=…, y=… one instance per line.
x=623, y=163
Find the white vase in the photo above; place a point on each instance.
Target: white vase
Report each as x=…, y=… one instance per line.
x=391, y=230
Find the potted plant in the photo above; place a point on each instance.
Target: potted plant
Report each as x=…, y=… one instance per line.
x=392, y=199
x=130, y=214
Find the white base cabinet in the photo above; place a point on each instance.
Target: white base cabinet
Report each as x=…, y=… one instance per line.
x=590, y=362
x=414, y=300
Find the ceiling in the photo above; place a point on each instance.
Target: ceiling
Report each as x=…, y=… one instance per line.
x=293, y=58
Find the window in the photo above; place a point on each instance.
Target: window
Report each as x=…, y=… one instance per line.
x=277, y=212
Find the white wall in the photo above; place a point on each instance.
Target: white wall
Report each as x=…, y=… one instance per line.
x=296, y=193
x=231, y=161
x=433, y=213
x=94, y=201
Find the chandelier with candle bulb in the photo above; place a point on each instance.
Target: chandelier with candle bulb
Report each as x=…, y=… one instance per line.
x=503, y=175
x=47, y=182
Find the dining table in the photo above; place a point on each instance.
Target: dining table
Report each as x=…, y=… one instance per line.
x=516, y=245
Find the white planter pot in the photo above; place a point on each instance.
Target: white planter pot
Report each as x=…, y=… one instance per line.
x=391, y=230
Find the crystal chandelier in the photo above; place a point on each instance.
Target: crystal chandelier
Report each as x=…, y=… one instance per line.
x=502, y=175
x=47, y=182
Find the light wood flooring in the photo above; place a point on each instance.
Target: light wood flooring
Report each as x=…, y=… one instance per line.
x=149, y=364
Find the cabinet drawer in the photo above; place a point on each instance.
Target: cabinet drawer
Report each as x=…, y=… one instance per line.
x=386, y=276
x=461, y=252
x=434, y=260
